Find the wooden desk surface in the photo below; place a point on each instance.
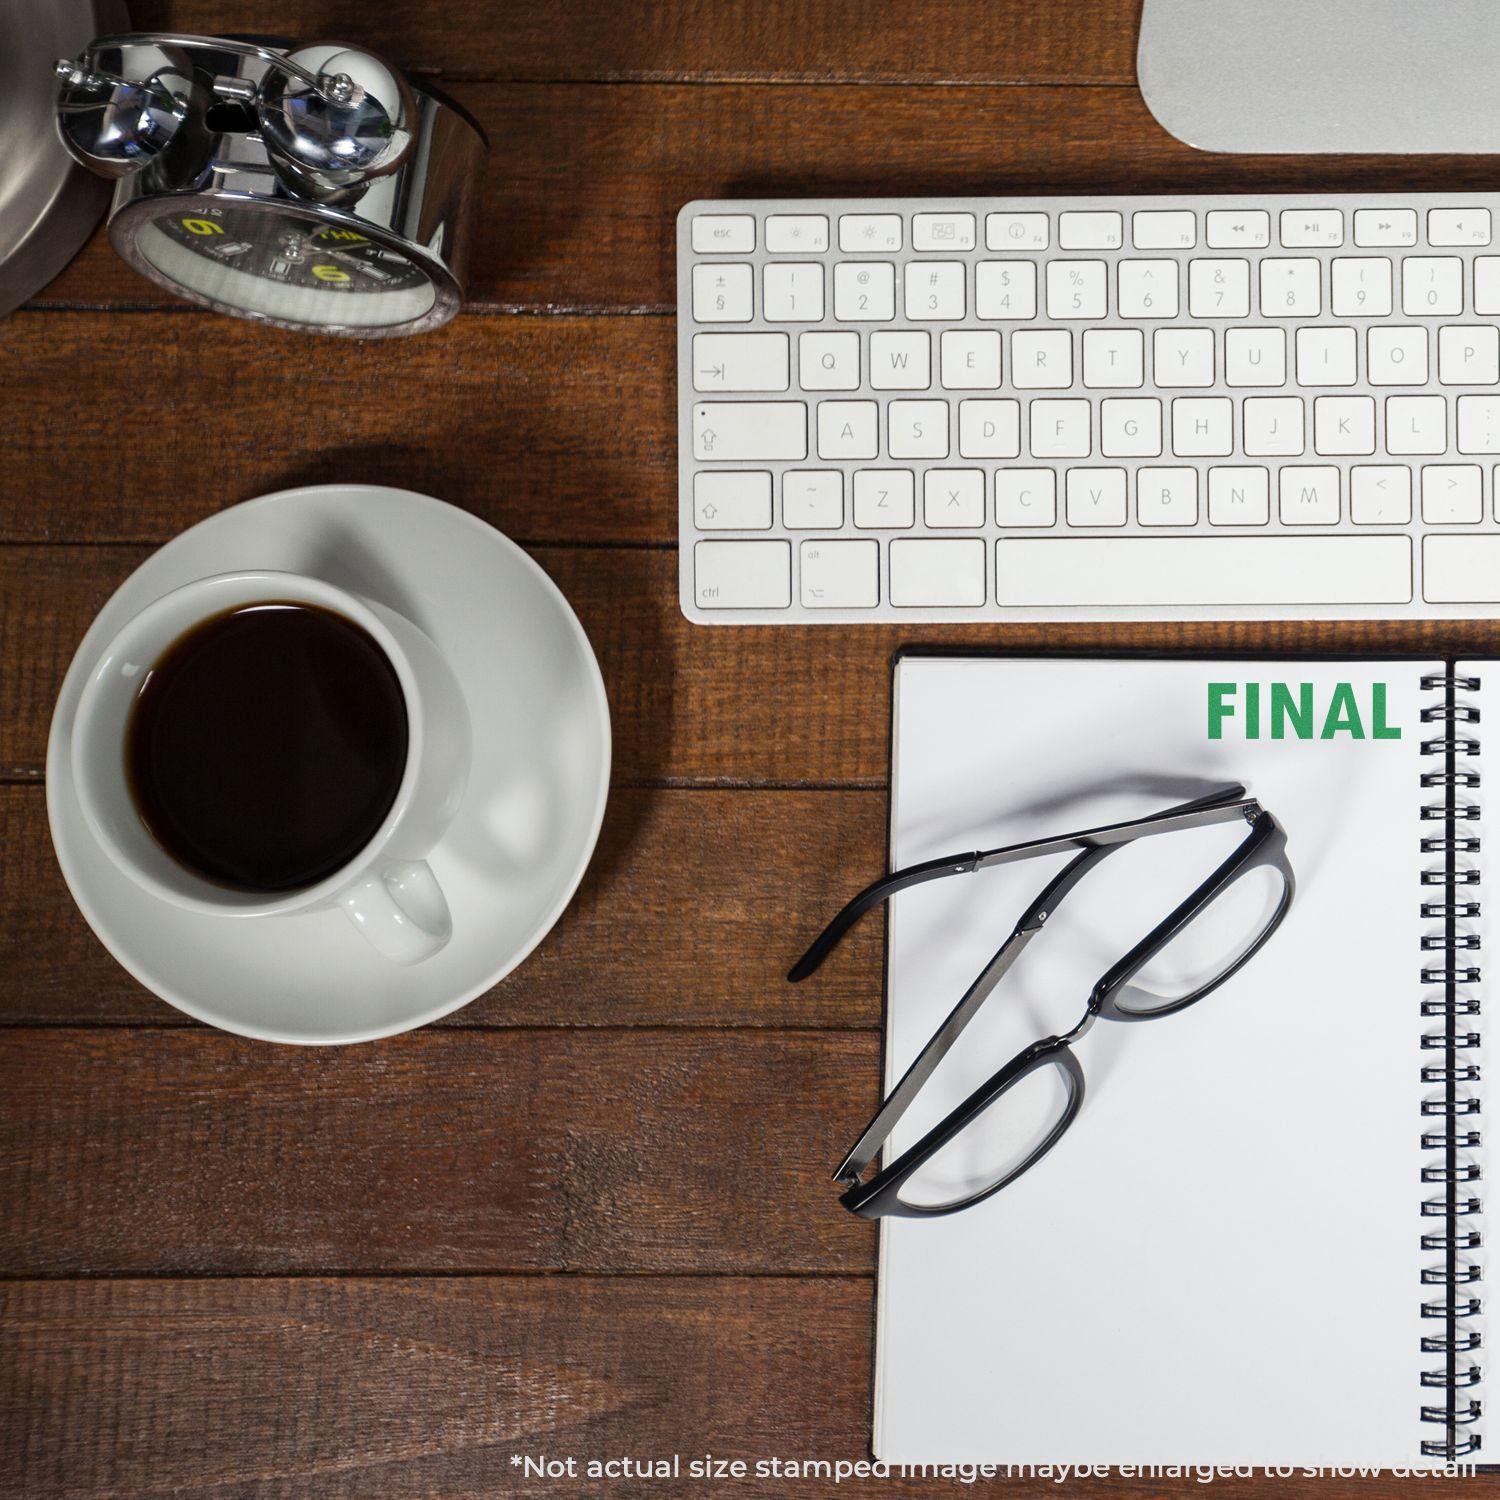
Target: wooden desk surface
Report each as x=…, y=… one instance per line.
x=589, y=1214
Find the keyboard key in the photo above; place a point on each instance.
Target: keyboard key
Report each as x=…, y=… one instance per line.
x=741, y=362
x=1114, y=357
x=1343, y=425
x=1238, y=229
x=1130, y=427
x=828, y=361
x=1375, y=227
x=1361, y=286
x=840, y=575
x=1416, y=424
x=1309, y=495
x=900, y=361
x=732, y=431
x=885, y=499
x=1238, y=495
x=869, y=232
x=1469, y=355
x=812, y=499
x=725, y=500
x=1255, y=356
x=1380, y=494
x=1275, y=426
x=918, y=429
x=1203, y=426
x=790, y=234
x=1398, y=356
x=793, y=292
x=848, y=429
x=1213, y=571
x=1461, y=569
x=934, y=290
x=1311, y=228
x=1291, y=288
x=1432, y=286
x=940, y=573
x=1487, y=284
x=723, y=234
x=1096, y=497
x=971, y=360
x=1219, y=288
x=743, y=575
x=1166, y=497
x=1326, y=356
x=1059, y=428
x=1091, y=230
x=989, y=429
x=1005, y=289
x=953, y=498
x=1025, y=497
x=1458, y=226
x=1041, y=360
x=1479, y=424
x=1182, y=357
x=942, y=231
x=1164, y=229
x=1452, y=494
x=1077, y=289
x=723, y=293
x=864, y=291
x=1016, y=232
x=1148, y=289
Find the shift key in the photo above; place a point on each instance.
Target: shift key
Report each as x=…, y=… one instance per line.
x=734, y=431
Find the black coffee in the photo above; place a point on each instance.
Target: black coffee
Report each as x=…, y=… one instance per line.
x=267, y=745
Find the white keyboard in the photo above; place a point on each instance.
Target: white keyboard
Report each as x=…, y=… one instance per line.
x=1236, y=407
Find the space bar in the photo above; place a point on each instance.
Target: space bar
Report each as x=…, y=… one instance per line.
x=1208, y=570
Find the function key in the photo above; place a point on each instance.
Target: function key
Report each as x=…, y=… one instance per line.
x=1458, y=226
x=1311, y=228
x=723, y=234
x=787, y=233
x=1016, y=232
x=869, y=232
x=1155, y=229
x=942, y=232
x=1090, y=230
x=1239, y=229
x=1385, y=227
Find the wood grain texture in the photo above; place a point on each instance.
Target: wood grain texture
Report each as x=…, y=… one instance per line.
x=192, y=1152
x=418, y=1389
x=585, y=180
x=752, y=706
x=694, y=907
x=762, y=41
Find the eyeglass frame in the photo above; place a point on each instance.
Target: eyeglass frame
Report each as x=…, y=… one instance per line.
x=1265, y=845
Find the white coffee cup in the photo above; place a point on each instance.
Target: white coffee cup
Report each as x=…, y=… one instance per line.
x=387, y=890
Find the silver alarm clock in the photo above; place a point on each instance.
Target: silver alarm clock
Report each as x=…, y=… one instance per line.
x=312, y=187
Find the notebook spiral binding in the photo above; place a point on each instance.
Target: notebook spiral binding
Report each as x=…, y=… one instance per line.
x=1451, y=1111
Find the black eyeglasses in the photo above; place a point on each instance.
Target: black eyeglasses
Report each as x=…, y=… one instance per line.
x=1009, y=1123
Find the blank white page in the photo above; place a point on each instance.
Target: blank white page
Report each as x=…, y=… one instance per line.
x=1219, y=1263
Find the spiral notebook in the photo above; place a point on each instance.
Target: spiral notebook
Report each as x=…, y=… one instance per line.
x=1260, y=1243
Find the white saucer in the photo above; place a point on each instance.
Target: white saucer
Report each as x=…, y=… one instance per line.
x=522, y=838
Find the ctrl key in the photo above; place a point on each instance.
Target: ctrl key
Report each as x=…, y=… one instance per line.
x=742, y=575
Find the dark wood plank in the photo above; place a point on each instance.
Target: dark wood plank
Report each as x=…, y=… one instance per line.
x=690, y=703
x=694, y=907
x=821, y=41
x=585, y=180
x=193, y=1152
x=414, y=1389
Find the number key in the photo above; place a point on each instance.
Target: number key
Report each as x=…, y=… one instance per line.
x=1219, y=288
x=864, y=291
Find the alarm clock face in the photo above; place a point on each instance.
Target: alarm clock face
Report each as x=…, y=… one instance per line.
x=289, y=267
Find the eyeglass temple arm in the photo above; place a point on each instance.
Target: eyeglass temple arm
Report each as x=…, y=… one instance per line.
x=874, y=1135
x=1220, y=806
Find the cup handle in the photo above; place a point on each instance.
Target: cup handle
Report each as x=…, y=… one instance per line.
x=401, y=910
